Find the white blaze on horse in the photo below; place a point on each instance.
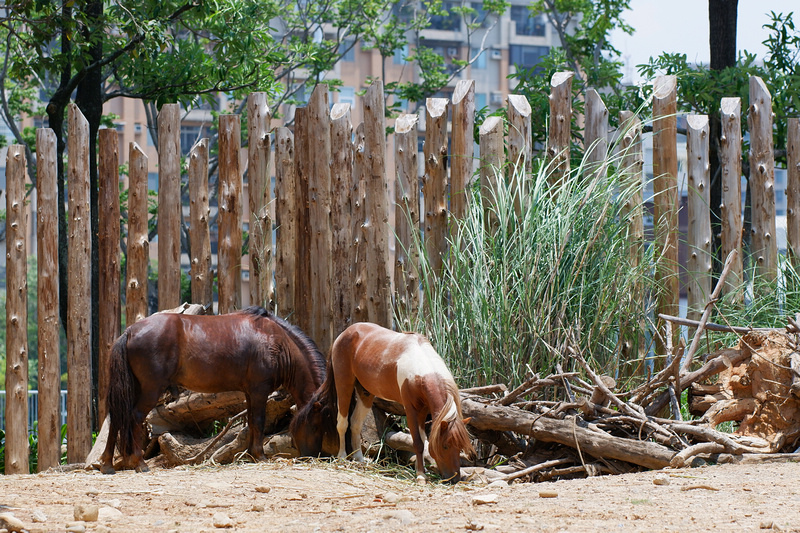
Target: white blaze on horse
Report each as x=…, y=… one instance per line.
x=403, y=367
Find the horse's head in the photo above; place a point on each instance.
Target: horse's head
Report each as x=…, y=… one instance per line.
x=449, y=436
x=314, y=430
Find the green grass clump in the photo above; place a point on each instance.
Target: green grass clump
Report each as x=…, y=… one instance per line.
x=541, y=270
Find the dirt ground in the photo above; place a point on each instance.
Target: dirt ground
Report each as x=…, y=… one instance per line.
x=288, y=496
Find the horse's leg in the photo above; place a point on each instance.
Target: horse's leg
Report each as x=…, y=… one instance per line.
x=414, y=424
x=107, y=458
x=256, y=417
x=147, y=400
x=345, y=383
x=363, y=405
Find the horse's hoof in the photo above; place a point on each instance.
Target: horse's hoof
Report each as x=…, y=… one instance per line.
x=421, y=480
x=142, y=467
x=107, y=469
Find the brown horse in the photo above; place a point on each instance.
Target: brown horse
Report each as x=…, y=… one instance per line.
x=250, y=351
x=403, y=367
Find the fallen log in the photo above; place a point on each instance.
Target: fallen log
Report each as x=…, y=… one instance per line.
x=568, y=433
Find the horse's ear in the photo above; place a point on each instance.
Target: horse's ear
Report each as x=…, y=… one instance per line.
x=467, y=420
x=444, y=425
x=317, y=406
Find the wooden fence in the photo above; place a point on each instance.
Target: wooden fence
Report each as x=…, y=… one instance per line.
x=330, y=264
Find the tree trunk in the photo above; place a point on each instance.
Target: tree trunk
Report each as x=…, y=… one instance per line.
x=89, y=99
x=722, y=16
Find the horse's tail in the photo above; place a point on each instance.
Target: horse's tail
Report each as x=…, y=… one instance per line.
x=448, y=426
x=120, y=401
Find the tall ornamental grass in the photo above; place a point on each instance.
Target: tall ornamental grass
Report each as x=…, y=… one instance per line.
x=542, y=270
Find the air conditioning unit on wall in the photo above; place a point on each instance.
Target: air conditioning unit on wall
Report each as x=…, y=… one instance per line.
x=497, y=54
x=496, y=98
x=452, y=51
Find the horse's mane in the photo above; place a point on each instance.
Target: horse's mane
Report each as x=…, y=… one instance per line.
x=457, y=434
x=298, y=336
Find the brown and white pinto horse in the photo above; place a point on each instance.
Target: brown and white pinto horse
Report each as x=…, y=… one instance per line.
x=401, y=367
x=250, y=351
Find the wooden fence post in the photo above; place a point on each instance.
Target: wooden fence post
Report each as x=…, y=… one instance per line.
x=730, y=154
x=632, y=166
x=79, y=300
x=109, y=257
x=260, y=248
x=435, y=182
x=560, y=126
x=376, y=229
x=16, y=439
x=136, y=305
x=520, y=148
x=699, y=229
x=318, y=122
x=358, y=253
x=302, y=287
x=763, y=246
x=595, y=137
x=48, y=301
x=169, y=207
x=793, y=192
x=286, y=222
x=492, y=150
x=341, y=222
x=199, y=230
x=229, y=273
x=665, y=202
x=462, y=149
x=406, y=218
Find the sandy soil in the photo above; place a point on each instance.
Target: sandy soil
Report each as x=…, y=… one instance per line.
x=290, y=496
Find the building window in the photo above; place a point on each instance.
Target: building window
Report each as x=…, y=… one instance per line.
x=527, y=57
x=480, y=61
x=347, y=95
x=190, y=135
x=480, y=101
x=400, y=55
x=526, y=24
x=348, y=51
x=450, y=21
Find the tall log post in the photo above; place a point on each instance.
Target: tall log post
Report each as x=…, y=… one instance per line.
x=435, y=182
x=302, y=294
x=665, y=201
x=520, y=147
x=406, y=193
x=286, y=223
x=48, y=301
x=632, y=170
x=699, y=229
x=318, y=121
x=259, y=197
x=793, y=192
x=341, y=221
x=109, y=256
x=169, y=207
x=230, y=215
x=79, y=301
x=730, y=154
x=199, y=230
x=763, y=245
x=492, y=150
x=16, y=438
x=595, y=137
x=558, y=143
x=376, y=226
x=138, y=243
x=462, y=149
x=358, y=251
